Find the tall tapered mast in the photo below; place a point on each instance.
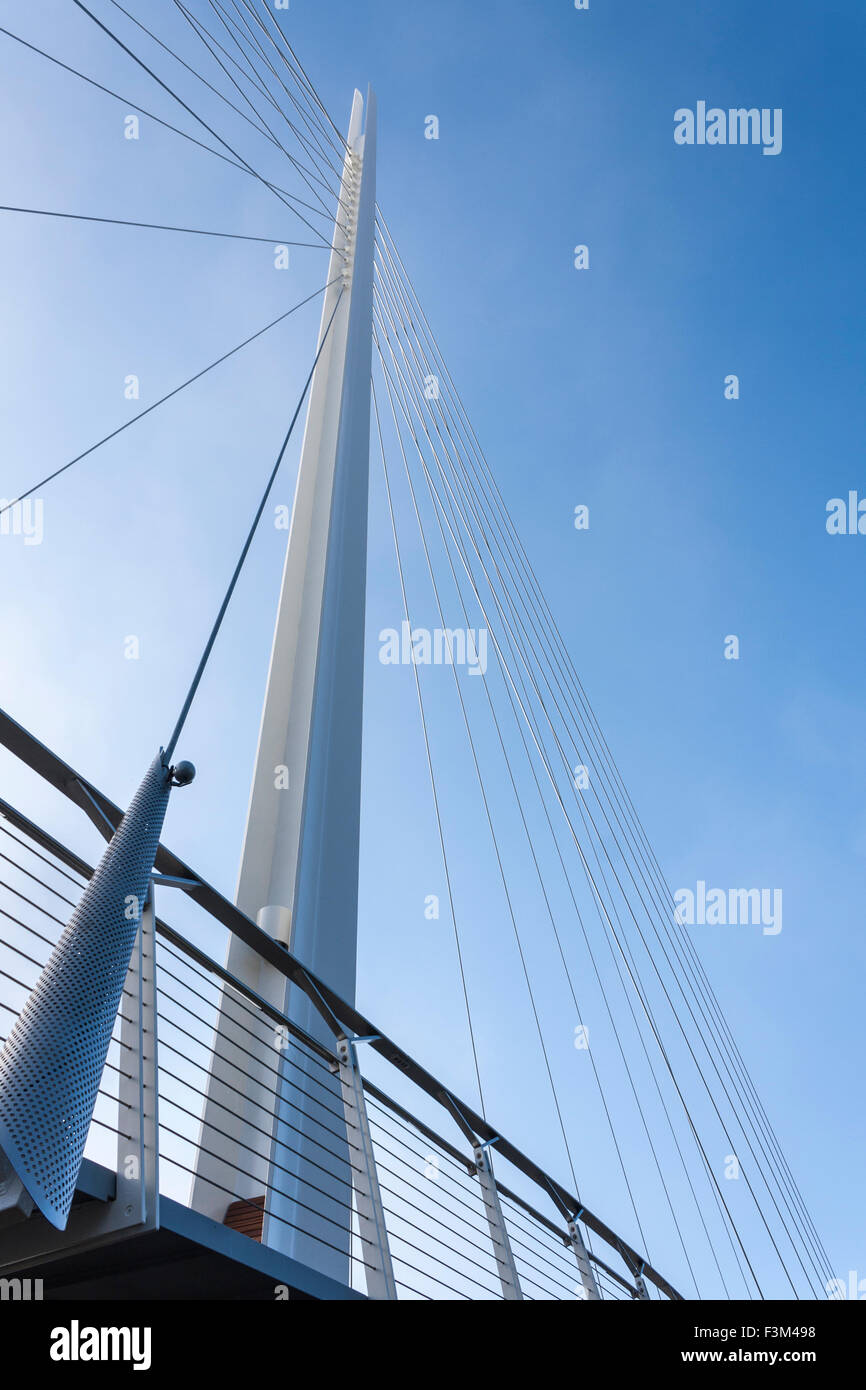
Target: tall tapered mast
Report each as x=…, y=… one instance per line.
x=298, y=872
x=299, y=867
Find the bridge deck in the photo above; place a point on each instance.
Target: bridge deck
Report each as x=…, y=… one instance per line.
x=188, y=1257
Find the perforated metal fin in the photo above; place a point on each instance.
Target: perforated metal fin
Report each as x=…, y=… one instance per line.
x=52, y=1063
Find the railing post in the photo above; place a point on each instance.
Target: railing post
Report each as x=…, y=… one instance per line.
x=496, y=1221
x=138, y=1120
x=637, y=1268
x=490, y=1192
x=371, y=1213
x=587, y=1274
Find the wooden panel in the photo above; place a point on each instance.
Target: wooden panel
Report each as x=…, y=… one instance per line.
x=247, y=1216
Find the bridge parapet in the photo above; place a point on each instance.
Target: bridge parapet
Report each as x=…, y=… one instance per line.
x=427, y=1199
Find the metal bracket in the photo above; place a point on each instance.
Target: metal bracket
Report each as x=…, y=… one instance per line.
x=637, y=1269
x=175, y=881
x=587, y=1273
x=492, y=1206
x=368, y=1198
x=496, y=1221
x=311, y=989
x=91, y=808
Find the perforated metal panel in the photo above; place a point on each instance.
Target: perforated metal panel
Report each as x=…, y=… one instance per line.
x=52, y=1063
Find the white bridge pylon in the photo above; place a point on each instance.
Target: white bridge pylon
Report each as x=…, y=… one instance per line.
x=299, y=866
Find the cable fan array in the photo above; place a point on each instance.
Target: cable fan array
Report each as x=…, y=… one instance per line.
x=657, y=997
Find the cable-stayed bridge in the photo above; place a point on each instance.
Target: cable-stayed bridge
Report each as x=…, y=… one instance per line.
x=174, y=1117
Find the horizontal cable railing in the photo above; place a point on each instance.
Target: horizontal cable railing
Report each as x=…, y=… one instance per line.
x=272, y=1129
x=260, y=1065
x=434, y=1214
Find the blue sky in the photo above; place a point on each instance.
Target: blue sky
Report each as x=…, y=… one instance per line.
x=603, y=387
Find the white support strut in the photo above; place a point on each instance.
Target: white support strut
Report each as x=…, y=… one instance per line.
x=588, y=1282
x=368, y=1198
x=496, y=1221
